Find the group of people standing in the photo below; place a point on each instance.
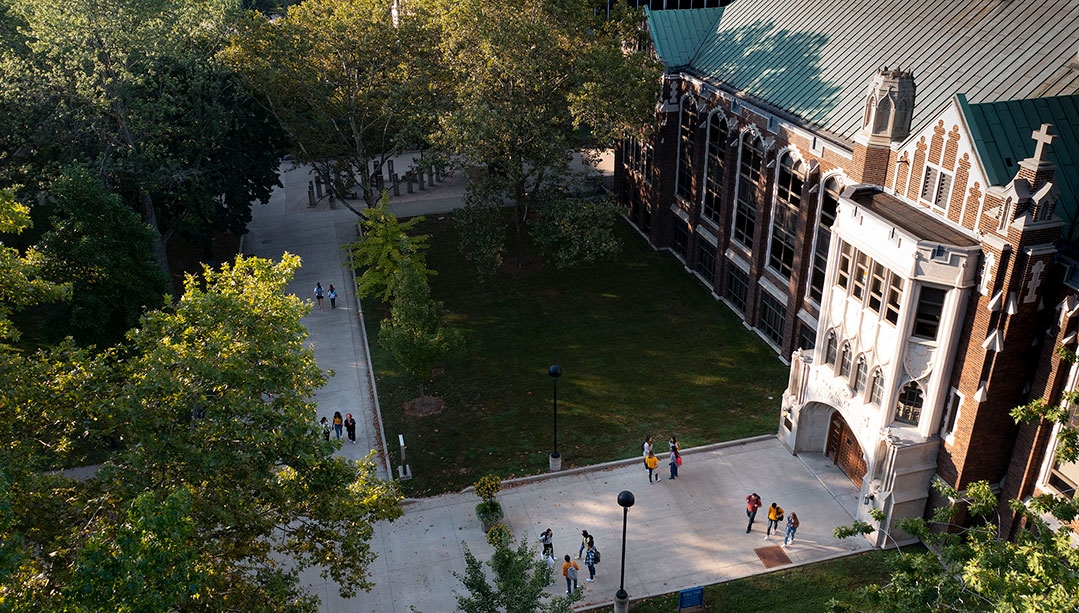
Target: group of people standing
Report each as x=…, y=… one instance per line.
x=569, y=565
x=775, y=516
x=347, y=422
x=651, y=461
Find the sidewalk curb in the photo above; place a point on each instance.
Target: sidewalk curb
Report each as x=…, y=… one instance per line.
x=610, y=465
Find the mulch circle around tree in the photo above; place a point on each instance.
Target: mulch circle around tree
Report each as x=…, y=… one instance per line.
x=423, y=406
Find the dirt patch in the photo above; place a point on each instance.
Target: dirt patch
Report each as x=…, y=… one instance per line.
x=423, y=406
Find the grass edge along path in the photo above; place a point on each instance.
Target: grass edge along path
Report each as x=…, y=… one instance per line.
x=799, y=589
x=644, y=349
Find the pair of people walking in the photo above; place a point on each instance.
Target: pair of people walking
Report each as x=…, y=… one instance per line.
x=321, y=293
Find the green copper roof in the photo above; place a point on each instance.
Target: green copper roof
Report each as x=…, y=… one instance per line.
x=678, y=34
x=816, y=58
x=1002, y=131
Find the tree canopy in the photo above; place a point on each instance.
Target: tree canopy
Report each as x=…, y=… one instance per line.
x=212, y=468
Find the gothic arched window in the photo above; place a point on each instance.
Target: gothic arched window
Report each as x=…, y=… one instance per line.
x=717, y=153
x=831, y=349
x=749, y=177
x=686, y=133
x=845, y=361
x=908, y=408
x=861, y=373
x=876, y=392
x=791, y=177
x=829, y=203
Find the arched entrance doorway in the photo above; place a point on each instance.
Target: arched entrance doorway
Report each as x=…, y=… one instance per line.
x=844, y=450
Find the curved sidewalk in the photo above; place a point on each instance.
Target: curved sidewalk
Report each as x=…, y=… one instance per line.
x=681, y=533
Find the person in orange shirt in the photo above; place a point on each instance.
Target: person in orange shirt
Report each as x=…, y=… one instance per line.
x=569, y=571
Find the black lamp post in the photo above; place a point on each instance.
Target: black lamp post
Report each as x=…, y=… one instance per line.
x=621, y=598
x=556, y=459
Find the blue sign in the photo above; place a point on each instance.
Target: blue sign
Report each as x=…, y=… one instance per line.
x=693, y=597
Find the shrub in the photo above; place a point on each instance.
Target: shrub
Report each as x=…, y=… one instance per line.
x=489, y=511
x=499, y=535
x=487, y=487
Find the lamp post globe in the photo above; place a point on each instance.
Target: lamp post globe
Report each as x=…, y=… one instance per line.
x=621, y=598
x=555, y=371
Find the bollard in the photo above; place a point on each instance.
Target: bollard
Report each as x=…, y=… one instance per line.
x=409, y=178
x=318, y=187
x=431, y=176
x=404, y=471
x=389, y=167
x=396, y=184
x=419, y=177
x=310, y=194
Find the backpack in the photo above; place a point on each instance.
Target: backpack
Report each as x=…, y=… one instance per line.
x=571, y=573
x=595, y=555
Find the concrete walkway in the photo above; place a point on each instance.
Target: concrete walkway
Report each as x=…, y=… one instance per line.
x=681, y=533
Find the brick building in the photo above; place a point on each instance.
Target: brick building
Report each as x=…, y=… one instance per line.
x=906, y=238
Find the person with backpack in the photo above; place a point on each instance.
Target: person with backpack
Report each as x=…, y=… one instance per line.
x=319, y=292
x=675, y=457
x=586, y=541
x=569, y=571
x=591, y=558
x=350, y=427
x=333, y=297
x=547, y=538
x=775, y=515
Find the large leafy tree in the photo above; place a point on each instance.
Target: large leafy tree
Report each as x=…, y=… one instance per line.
x=348, y=80
x=533, y=83
x=134, y=87
x=217, y=487
x=102, y=248
x=382, y=249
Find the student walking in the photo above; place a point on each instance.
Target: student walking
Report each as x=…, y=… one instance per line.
x=547, y=538
x=652, y=463
x=753, y=502
x=318, y=294
x=350, y=427
x=569, y=571
x=675, y=457
x=325, y=428
x=792, y=527
x=775, y=515
x=586, y=541
x=332, y=293
x=590, y=559
x=338, y=423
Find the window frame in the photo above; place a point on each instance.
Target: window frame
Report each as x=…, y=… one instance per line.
x=783, y=237
x=687, y=129
x=711, y=204
x=828, y=208
x=747, y=190
x=909, y=413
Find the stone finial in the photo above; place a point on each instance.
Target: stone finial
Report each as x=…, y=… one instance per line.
x=889, y=106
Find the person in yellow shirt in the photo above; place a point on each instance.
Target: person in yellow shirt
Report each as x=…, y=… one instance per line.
x=651, y=462
x=569, y=571
x=775, y=515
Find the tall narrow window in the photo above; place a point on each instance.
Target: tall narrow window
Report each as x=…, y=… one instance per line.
x=936, y=188
x=706, y=260
x=895, y=290
x=749, y=175
x=717, y=153
x=927, y=317
x=831, y=349
x=876, y=287
x=685, y=149
x=876, y=393
x=846, y=258
x=861, y=271
x=861, y=372
x=772, y=315
x=829, y=204
x=785, y=216
x=845, y=361
x=908, y=408
x=737, y=287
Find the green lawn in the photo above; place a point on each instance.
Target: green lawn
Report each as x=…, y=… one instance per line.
x=643, y=346
x=805, y=589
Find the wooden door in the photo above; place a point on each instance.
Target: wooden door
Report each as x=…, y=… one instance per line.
x=844, y=450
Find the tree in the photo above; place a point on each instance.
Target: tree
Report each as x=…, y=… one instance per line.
x=21, y=283
x=578, y=230
x=134, y=88
x=102, y=248
x=415, y=333
x=481, y=228
x=532, y=84
x=520, y=582
x=219, y=472
x=382, y=248
x=347, y=80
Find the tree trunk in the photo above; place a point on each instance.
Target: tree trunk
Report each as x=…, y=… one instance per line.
x=149, y=215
